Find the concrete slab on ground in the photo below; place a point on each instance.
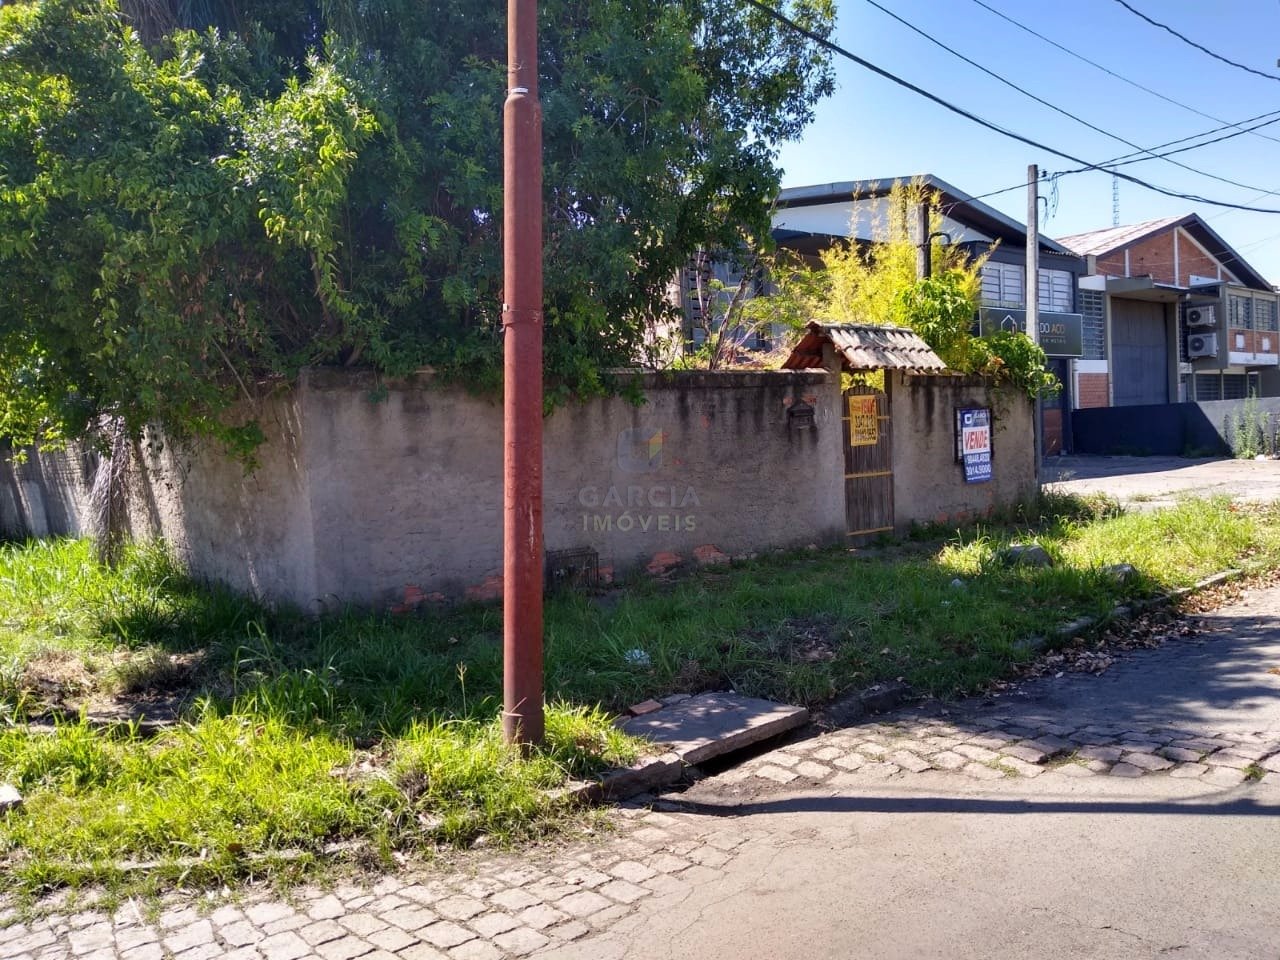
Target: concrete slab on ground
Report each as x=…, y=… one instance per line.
x=713, y=724
x=1153, y=482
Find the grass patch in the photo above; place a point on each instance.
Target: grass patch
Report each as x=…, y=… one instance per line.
x=215, y=798
x=300, y=732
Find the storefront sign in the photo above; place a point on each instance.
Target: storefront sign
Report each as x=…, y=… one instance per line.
x=974, y=428
x=1061, y=334
x=864, y=422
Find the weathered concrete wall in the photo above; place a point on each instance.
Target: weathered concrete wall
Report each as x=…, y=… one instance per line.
x=385, y=503
x=928, y=480
x=45, y=494
x=709, y=461
x=250, y=529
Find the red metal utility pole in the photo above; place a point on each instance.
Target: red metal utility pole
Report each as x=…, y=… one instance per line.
x=522, y=719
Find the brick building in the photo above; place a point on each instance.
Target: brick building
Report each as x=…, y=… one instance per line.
x=1184, y=317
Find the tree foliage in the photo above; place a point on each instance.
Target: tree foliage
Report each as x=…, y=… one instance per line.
x=878, y=283
x=198, y=197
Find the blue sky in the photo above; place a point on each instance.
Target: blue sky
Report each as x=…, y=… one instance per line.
x=872, y=128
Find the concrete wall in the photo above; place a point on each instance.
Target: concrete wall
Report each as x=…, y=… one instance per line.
x=928, y=481
x=390, y=502
x=393, y=502
x=44, y=494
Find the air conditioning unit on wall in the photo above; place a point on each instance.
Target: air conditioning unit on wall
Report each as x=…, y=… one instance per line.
x=1201, y=317
x=1202, y=345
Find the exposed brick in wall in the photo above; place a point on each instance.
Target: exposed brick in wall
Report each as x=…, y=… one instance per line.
x=1253, y=341
x=1111, y=265
x=1091, y=390
x=1154, y=257
x=1191, y=259
x=1052, y=435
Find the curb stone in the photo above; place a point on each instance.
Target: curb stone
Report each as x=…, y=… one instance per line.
x=1123, y=611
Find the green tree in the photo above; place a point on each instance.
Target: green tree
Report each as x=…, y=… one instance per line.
x=196, y=198
x=878, y=282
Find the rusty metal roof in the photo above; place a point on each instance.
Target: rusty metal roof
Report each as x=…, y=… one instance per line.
x=865, y=347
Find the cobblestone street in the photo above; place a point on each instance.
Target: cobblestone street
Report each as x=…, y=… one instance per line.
x=1187, y=731
x=997, y=747
x=496, y=907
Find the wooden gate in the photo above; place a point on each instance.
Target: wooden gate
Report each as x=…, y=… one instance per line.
x=868, y=464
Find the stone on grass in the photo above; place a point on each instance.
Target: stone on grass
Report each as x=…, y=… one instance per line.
x=1123, y=572
x=1027, y=555
x=10, y=798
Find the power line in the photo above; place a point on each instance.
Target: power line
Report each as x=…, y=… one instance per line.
x=1052, y=106
x=1187, y=40
x=1239, y=128
x=996, y=193
x=1227, y=213
x=1107, y=70
x=1258, y=243
x=1124, y=161
x=969, y=115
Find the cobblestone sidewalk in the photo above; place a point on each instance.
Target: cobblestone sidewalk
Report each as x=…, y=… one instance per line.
x=503, y=907
x=495, y=908
x=996, y=747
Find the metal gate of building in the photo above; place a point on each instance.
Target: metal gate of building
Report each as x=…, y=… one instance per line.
x=868, y=464
x=1140, y=341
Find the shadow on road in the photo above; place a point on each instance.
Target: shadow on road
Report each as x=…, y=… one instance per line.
x=1225, y=678
x=1060, y=469
x=1235, y=807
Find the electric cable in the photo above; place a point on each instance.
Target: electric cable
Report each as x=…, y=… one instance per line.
x=981, y=121
x=1199, y=46
x=1107, y=70
x=1052, y=106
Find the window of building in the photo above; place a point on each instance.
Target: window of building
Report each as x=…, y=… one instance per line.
x=1005, y=285
x=1265, y=314
x=1208, y=386
x=1055, y=291
x=1240, y=312
x=1235, y=386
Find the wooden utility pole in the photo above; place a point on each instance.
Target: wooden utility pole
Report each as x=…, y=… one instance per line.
x=1033, y=293
x=522, y=715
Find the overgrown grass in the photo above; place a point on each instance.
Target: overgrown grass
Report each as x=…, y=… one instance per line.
x=236, y=794
x=299, y=732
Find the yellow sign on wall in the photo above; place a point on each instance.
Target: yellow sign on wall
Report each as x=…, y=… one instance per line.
x=864, y=424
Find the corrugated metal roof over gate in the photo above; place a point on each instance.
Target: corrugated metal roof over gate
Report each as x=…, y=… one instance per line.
x=865, y=347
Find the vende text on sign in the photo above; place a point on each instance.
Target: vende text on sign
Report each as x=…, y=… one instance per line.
x=973, y=424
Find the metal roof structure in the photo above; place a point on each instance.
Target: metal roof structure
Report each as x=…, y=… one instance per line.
x=865, y=347
x=958, y=204
x=1098, y=242
x=1114, y=239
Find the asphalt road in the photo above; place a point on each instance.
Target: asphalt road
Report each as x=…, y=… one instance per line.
x=938, y=864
